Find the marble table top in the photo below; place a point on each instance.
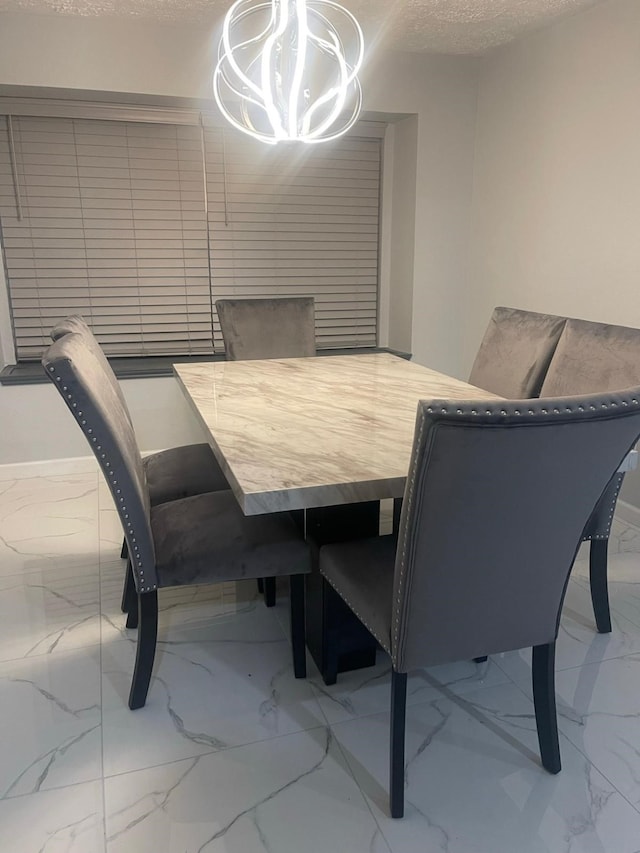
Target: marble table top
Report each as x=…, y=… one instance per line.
x=307, y=432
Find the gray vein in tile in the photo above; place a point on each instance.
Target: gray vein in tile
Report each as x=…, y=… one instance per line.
x=51, y=698
x=346, y=702
x=631, y=767
x=158, y=805
x=445, y=841
x=60, y=596
x=270, y=796
x=59, y=634
x=598, y=799
x=51, y=755
x=11, y=547
x=444, y=717
x=74, y=827
x=196, y=737
x=270, y=705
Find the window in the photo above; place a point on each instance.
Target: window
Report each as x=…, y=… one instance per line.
x=140, y=225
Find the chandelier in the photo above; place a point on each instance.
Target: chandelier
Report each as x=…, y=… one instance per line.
x=287, y=69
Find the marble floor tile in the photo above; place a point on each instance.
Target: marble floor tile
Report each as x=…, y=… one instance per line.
x=366, y=691
x=51, y=715
x=474, y=783
x=599, y=711
x=179, y=608
x=231, y=752
x=66, y=820
x=623, y=571
x=228, y=684
x=48, y=522
x=48, y=611
x=290, y=794
x=111, y=535
x=578, y=641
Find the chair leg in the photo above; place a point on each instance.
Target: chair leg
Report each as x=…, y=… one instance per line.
x=396, y=758
x=544, y=700
x=296, y=600
x=598, y=580
x=146, y=650
x=269, y=591
x=124, y=551
x=129, y=600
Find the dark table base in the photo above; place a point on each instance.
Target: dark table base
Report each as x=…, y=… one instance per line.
x=336, y=639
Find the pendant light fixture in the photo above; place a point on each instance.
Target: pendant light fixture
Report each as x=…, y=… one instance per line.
x=287, y=69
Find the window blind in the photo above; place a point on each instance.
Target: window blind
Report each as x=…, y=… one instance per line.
x=110, y=219
x=299, y=221
x=113, y=228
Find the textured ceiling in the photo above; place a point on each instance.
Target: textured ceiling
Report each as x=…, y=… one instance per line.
x=441, y=26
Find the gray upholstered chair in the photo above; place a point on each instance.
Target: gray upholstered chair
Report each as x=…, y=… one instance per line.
x=200, y=539
x=593, y=358
x=497, y=497
x=178, y=472
x=268, y=328
x=515, y=352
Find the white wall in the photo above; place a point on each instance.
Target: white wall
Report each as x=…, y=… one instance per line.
x=36, y=425
x=556, y=198
x=432, y=201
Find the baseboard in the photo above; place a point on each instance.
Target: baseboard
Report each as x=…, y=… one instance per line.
x=52, y=467
x=628, y=512
x=48, y=468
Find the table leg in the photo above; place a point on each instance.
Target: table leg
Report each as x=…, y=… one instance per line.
x=336, y=639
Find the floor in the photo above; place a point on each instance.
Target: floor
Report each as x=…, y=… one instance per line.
x=232, y=754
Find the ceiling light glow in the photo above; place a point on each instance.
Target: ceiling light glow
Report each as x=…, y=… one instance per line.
x=287, y=69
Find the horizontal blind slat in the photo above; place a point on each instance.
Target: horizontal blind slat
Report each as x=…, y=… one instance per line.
x=114, y=227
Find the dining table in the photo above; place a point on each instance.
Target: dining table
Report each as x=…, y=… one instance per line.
x=325, y=438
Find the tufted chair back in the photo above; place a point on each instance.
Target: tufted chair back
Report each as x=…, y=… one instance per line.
x=495, y=504
x=515, y=353
x=268, y=328
x=78, y=373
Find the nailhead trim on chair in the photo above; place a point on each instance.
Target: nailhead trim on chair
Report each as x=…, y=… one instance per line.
x=506, y=410
x=612, y=405
x=122, y=509
x=402, y=572
x=610, y=518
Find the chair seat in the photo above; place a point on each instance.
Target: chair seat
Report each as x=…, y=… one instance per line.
x=362, y=571
x=181, y=472
x=207, y=539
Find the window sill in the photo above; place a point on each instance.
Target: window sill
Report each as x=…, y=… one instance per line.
x=31, y=372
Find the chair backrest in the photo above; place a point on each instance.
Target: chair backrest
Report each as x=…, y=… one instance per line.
x=268, y=328
x=593, y=357
x=75, y=324
x=78, y=373
x=496, y=501
x=515, y=353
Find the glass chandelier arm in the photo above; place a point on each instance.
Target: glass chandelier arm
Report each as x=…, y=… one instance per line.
x=302, y=36
x=266, y=85
x=269, y=75
x=312, y=140
x=336, y=93
x=358, y=32
x=229, y=50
